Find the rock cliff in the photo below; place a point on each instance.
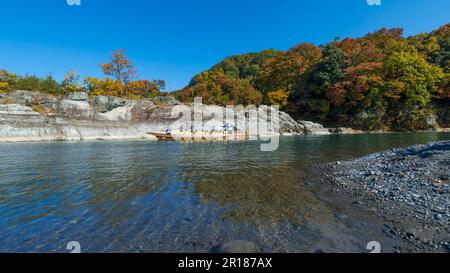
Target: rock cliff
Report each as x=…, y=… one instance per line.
x=32, y=116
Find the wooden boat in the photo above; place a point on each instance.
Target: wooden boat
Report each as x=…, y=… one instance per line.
x=203, y=136
x=163, y=136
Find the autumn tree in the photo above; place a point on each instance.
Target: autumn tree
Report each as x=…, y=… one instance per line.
x=103, y=87
x=120, y=67
x=232, y=81
x=283, y=71
x=278, y=98
x=124, y=83
x=142, y=89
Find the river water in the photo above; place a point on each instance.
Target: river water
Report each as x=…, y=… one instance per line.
x=139, y=196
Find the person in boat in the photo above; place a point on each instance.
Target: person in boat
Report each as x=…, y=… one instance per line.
x=168, y=132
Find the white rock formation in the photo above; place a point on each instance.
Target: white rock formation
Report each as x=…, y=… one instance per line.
x=79, y=120
x=311, y=128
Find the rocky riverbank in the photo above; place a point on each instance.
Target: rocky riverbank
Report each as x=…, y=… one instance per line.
x=409, y=188
x=33, y=116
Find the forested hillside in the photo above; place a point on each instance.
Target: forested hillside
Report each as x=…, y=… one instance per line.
x=382, y=81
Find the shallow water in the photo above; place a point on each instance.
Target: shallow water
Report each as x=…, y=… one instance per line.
x=175, y=197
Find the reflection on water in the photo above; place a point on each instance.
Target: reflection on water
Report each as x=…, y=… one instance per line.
x=171, y=197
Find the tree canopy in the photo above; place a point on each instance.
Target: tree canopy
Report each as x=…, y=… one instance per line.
x=121, y=80
x=382, y=81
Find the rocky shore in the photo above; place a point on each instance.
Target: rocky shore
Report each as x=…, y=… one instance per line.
x=34, y=116
x=409, y=188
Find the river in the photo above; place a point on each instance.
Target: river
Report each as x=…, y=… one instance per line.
x=139, y=196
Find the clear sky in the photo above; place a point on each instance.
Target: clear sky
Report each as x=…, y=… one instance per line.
x=176, y=39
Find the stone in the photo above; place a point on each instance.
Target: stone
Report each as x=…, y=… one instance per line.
x=22, y=97
x=341, y=216
x=116, y=102
x=17, y=110
x=238, y=246
x=411, y=233
x=290, y=126
x=141, y=110
x=79, y=110
x=101, y=103
x=345, y=131
x=428, y=154
x=168, y=100
x=311, y=128
x=105, y=104
x=119, y=113
x=78, y=96
x=49, y=102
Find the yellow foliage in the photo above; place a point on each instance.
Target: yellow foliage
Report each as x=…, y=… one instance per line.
x=39, y=109
x=4, y=87
x=104, y=87
x=279, y=98
x=133, y=90
x=141, y=89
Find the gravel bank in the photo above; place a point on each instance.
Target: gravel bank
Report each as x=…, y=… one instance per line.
x=409, y=188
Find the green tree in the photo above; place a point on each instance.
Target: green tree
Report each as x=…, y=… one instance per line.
x=416, y=80
x=32, y=83
x=310, y=97
x=411, y=84
x=331, y=69
x=49, y=85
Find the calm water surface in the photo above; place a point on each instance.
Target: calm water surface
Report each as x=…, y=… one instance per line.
x=174, y=197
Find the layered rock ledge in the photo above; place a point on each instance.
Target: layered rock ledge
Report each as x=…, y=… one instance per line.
x=32, y=116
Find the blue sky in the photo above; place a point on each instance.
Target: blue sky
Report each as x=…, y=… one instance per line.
x=176, y=39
